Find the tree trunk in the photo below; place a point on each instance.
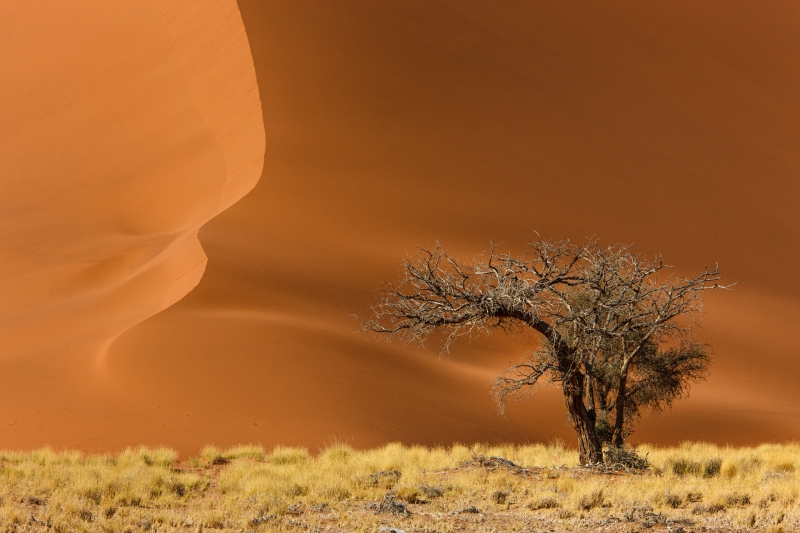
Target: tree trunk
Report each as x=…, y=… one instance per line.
x=589, y=447
x=618, y=437
x=590, y=401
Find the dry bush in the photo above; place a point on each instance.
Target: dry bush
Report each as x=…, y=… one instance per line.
x=499, y=497
x=589, y=501
x=673, y=500
x=626, y=458
x=547, y=502
x=432, y=492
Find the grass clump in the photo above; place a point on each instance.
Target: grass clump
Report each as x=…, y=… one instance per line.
x=708, y=468
x=283, y=455
x=546, y=502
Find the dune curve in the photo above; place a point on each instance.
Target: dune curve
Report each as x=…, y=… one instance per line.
x=126, y=127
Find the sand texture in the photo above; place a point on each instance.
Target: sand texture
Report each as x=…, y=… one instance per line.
x=674, y=125
x=126, y=126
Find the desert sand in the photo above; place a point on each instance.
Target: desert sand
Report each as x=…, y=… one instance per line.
x=129, y=127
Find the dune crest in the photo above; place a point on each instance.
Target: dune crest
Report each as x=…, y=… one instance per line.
x=126, y=127
x=211, y=47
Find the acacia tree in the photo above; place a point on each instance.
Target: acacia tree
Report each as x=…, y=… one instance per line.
x=598, y=311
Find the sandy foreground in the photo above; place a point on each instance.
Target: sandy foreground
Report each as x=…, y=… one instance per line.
x=129, y=126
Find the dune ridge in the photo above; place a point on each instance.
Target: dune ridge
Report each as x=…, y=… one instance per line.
x=127, y=126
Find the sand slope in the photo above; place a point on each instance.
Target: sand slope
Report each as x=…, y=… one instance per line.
x=673, y=125
x=126, y=126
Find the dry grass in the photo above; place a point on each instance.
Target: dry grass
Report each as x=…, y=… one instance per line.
x=421, y=489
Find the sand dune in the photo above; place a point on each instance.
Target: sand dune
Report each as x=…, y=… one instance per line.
x=126, y=127
x=671, y=124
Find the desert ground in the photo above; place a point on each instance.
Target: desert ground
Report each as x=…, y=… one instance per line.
x=477, y=488
x=198, y=197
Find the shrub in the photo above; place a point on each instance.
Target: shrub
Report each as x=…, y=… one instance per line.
x=625, y=457
x=711, y=467
x=737, y=499
x=432, y=492
x=708, y=468
x=715, y=507
x=544, y=503
x=499, y=497
x=673, y=500
x=683, y=467
x=589, y=501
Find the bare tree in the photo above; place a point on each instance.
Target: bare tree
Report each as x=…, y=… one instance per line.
x=591, y=306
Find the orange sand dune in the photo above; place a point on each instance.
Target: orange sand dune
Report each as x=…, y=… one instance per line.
x=125, y=127
x=674, y=125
